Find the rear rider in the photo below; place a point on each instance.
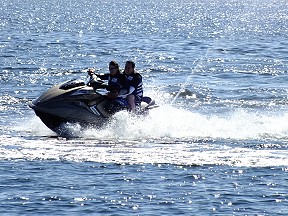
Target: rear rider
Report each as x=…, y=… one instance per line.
x=132, y=83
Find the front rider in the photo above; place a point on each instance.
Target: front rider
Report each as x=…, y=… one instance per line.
x=114, y=85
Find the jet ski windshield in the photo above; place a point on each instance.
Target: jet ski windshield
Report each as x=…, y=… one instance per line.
x=72, y=84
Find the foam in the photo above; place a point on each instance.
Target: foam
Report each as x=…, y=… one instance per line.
x=170, y=122
x=167, y=135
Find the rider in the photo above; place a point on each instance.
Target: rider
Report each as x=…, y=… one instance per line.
x=114, y=84
x=132, y=83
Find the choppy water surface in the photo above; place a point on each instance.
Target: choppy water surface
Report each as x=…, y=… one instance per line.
x=217, y=145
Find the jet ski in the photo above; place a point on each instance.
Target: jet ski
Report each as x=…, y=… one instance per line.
x=75, y=101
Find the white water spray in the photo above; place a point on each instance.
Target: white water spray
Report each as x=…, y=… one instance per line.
x=183, y=86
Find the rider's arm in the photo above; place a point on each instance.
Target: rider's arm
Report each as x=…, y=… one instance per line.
x=95, y=81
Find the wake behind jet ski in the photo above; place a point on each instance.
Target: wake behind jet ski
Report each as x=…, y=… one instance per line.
x=75, y=101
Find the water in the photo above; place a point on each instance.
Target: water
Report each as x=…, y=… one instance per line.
x=218, y=143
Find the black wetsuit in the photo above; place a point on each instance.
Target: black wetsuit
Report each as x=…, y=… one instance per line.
x=134, y=80
x=114, y=84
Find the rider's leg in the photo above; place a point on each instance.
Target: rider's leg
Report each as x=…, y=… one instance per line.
x=131, y=102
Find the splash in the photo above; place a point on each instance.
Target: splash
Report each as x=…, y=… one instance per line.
x=168, y=122
x=167, y=135
x=171, y=123
x=33, y=126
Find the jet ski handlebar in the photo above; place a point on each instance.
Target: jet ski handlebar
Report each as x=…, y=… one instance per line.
x=95, y=81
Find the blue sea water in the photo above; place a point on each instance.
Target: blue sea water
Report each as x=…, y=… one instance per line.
x=217, y=144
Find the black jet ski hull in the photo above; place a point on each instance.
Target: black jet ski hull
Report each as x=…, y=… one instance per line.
x=56, y=122
x=75, y=102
